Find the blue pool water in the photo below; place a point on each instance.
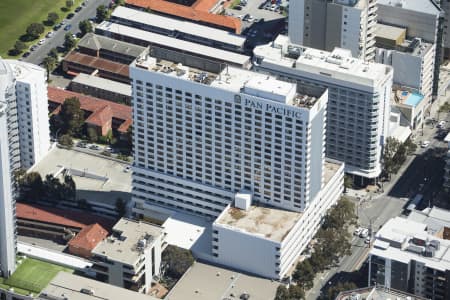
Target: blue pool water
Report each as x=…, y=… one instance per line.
x=414, y=99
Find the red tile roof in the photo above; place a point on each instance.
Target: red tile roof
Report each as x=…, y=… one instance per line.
x=199, y=12
x=101, y=109
x=101, y=116
x=98, y=63
x=59, y=216
x=89, y=237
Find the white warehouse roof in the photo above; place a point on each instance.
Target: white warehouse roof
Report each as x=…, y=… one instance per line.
x=179, y=25
x=165, y=41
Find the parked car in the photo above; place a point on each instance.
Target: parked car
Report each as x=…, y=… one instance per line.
x=41, y=42
x=34, y=47
x=425, y=144
x=127, y=169
x=26, y=54
x=441, y=124
x=70, y=16
x=237, y=7
x=68, y=27
x=57, y=26
x=364, y=233
x=78, y=8
x=367, y=240
x=50, y=34
x=94, y=147
x=358, y=231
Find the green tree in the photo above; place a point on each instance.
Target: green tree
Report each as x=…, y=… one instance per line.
x=410, y=146
x=85, y=27
x=92, y=135
x=53, y=53
x=102, y=13
x=282, y=293
x=31, y=187
x=34, y=30
x=341, y=215
x=348, y=182
x=69, y=188
x=296, y=292
x=83, y=204
x=19, y=46
x=177, y=260
x=49, y=63
x=66, y=140
x=71, y=116
x=54, y=189
x=69, y=3
x=52, y=17
x=121, y=207
x=304, y=274
x=332, y=292
x=69, y=42
x=390, y=149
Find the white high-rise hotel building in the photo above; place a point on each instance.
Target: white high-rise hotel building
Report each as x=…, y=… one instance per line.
x=24, y=140
x=358, y=99
x=204, y=140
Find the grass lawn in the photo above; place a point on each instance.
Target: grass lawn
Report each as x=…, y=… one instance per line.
x=16, y=15
x=32, y=276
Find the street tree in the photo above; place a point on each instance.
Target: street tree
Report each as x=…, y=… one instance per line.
x=69, y=42
x=72, y=117
x=390, y=149
x=85, y=27
x=19, y=46
x=66, y=140
x=30, y=187
x=102, y=13
x=53, y=53
x=52, y=17
x=304, y=274
x=296, y=292
x=69, y=3
x=282, y=293
x=34, y=30
x=348, y=182
x=49, y=63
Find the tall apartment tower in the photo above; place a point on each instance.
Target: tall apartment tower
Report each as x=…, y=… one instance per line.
x=326, y=24
x=24, y=140
x=358, y=99
x=32, y=110
x=9, y=160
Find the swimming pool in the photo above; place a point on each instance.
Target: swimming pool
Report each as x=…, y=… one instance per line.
x=414, y=99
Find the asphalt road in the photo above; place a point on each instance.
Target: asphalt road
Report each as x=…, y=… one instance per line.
x=87, y=12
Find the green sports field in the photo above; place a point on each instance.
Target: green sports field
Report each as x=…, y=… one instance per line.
x=16, y=15
x=32, y=276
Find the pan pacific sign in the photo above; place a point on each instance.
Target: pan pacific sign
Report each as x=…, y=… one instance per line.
x=273, y=108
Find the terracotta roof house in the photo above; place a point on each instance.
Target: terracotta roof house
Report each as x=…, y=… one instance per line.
x=199, y=11
x=83, y=230
x=103, y=115
x=86, y=240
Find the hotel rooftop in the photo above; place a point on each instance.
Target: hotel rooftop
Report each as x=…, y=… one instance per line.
x=269, y=222
x=338, y=64
x=236, y=80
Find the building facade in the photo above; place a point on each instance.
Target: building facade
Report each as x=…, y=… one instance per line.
x=409, y=256
x=32, y=110
x=422, y=19
x=25, y=140
x=358, y=99
x=202, y=137
x=9, y=161
x=131, y=256
x=326, y=24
